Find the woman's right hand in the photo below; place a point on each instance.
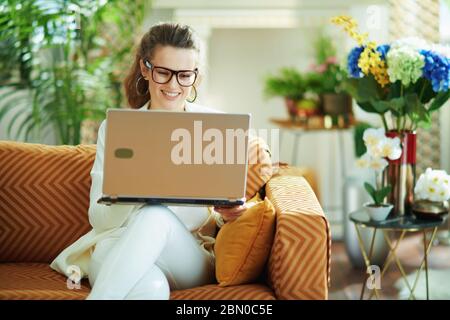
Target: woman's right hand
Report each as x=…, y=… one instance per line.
x=230, y=213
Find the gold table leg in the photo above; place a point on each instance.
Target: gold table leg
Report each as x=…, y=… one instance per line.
x=426, y=252
x=365, y=256
x=397, y=261
x=391, y=254
x=426, y=260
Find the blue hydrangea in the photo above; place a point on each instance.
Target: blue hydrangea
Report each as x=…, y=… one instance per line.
x=383, y=50
x=352, y=62
x=437, y=70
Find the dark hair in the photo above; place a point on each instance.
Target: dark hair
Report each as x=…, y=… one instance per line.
x=164, y=34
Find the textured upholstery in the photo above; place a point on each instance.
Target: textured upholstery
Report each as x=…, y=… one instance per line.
x=44, y=198
x=38, y=281
x=299, y=264
x=214, y=292
x=32, y=281
x=259, y=169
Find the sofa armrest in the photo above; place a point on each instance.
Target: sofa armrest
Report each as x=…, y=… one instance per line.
x=299, y=263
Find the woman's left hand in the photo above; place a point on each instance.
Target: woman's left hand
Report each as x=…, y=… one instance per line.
x=230, y=213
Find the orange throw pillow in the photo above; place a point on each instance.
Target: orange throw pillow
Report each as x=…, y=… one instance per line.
x=243, y=246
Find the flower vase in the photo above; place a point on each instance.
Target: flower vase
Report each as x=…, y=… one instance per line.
x=400, y=174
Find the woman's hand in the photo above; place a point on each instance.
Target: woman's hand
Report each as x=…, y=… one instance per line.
x=230, y=213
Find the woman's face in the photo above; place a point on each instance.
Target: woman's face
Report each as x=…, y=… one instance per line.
x=170, y=95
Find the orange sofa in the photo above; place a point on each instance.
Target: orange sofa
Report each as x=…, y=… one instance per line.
x=44, y=199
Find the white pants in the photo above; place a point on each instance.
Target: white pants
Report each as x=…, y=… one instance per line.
x=156, y=253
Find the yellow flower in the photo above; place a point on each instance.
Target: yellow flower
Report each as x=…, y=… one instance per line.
x=370, y=60
x=349, y=26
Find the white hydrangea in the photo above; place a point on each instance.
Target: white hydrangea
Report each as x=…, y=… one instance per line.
x=443, y=50
x=411, y=42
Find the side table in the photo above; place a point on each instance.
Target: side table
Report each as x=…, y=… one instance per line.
x=403, y=225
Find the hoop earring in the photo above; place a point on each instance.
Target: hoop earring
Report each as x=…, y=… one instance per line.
x=137, y=89
x=195, y=97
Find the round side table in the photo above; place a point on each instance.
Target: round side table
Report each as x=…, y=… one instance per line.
x=403, y=225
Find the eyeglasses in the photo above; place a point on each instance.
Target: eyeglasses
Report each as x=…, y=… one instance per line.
x=161, y=75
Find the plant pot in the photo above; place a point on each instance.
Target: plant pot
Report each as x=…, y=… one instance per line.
x=306, y=108
x=354, y=198
x=400, y=174
x=291, y=107
x=430, y=210
x=378, y=212
x=336, y=104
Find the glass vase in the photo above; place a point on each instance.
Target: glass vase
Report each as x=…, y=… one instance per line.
x=400, y=174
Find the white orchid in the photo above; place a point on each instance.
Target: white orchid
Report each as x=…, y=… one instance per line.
x=433, y=185
x=364, y=161
x=373, y=137
x=378, y=164
x=374, y=163
x=380, y=146
x=391, y=148
x=379, y=149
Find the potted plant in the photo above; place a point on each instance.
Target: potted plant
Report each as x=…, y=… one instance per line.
x=432, y=192
x=379, y=148
x=326, y=79
x=291, y=85
x=404, y=82
x=58, y=70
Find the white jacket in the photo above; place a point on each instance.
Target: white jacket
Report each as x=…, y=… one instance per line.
x=111, y=221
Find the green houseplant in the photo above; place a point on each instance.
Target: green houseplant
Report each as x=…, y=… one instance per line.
x=326, y=79
x=291, y=85
x=59, y=68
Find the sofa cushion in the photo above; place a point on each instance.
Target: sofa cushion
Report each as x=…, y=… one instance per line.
x=214, y=292
x=36, y=281
x=44, y=199
x=243, y=246
x=32, y=281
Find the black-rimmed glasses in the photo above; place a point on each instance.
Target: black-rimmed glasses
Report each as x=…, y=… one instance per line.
x=161, y=75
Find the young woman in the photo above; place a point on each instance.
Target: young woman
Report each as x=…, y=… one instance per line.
x=143, y=252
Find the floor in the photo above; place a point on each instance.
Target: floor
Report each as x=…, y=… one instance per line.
x=346, y=281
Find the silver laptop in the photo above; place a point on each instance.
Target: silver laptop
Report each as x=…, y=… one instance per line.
x=184, y=158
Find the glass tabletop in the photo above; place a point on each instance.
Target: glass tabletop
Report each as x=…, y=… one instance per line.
x=409, y=223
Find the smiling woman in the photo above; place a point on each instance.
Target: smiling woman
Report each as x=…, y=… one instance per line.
x=114, y=255
x=165, y=70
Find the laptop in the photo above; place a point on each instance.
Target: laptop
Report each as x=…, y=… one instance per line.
x=175, y=158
